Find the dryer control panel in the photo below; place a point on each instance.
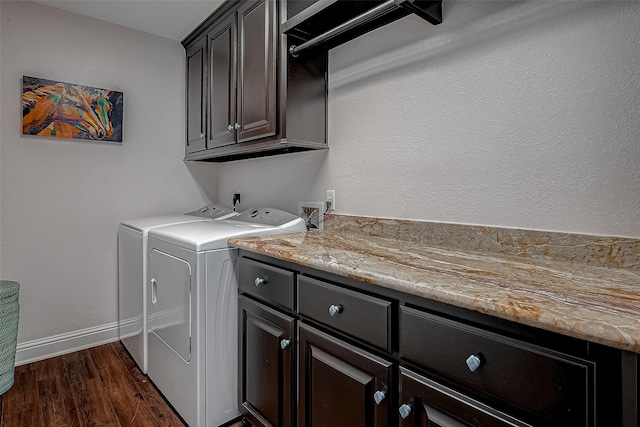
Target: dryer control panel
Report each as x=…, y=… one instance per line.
x=269, y=216
x=213, y=211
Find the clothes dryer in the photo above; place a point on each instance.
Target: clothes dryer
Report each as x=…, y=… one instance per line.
x=193, y=314
x=132, y=268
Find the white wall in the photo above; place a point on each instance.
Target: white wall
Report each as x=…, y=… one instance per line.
x=509, y=114
x=62, y=200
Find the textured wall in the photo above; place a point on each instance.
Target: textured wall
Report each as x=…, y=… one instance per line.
x=62, y=200
x=517, y=114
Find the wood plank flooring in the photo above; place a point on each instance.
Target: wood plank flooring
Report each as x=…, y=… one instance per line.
x=100, y=386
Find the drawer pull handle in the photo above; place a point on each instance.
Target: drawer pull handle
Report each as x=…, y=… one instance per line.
x=285, y=343
x=154, y=291
x=335, y=309
x=473, y=362
x=260, y=281
x=379, y=396
x=405, y=410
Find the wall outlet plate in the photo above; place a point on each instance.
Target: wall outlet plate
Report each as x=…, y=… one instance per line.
x=312, y=213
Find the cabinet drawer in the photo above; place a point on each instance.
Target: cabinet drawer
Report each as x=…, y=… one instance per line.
x=555, y=388
x=268, y=283
x=359, y=315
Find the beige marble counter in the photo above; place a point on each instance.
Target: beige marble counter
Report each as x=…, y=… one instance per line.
x=598, y=304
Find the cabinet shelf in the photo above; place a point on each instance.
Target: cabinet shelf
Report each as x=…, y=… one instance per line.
x=319, y=18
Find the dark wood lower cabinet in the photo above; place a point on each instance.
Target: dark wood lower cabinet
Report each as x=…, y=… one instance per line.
x=426, y=403
x=341, y=385
x=308, y=359
x=266, y=373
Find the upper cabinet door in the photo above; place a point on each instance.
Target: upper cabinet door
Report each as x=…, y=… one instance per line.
x=222, y=84
x=196, y=103
x=257, y=70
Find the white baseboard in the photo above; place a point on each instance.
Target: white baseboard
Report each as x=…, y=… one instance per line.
x=44, y=348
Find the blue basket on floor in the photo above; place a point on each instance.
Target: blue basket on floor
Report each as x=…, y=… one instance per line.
x=9, y=314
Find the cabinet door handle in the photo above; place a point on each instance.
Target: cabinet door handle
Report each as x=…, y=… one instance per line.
x=473, y=362
x=335, y=309
x=285, y=343
x=260, y=281
x=379, y=396
x=202, y=136
x=237, y=126
x=405, y=410
x=230, y=127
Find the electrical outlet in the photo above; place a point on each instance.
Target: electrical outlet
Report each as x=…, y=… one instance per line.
x=312, y=213
x=331, y=198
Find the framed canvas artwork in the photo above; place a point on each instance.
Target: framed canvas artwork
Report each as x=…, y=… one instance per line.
x=68, y=110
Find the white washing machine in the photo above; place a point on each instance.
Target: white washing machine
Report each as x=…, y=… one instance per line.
x=132, y=268
x=193, y=313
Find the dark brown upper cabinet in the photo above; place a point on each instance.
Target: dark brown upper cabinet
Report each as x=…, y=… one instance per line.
x=222, y=84
x=245, y=96
x=196, y=101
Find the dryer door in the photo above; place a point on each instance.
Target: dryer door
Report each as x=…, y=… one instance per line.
x=170, y=308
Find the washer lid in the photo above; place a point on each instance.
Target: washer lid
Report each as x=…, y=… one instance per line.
x=207, y=212
x=210, y=235
x=143, y=225
x=205, y=235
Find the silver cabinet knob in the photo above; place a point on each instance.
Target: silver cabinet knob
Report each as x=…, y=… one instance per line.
x=405, y=410
x=230, y=127
x=237, y=126
x=335, y=309
x=285, y=343
x=202, y=136
x=473, y=362
x=379, y=396
x=260, y=281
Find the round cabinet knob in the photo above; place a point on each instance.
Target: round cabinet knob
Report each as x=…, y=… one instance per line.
x=379, y=396
x=237, y=126
x=335, y=309
x=230, y=127
x=202, y=136
x=285, y=343
x=260, y=281
x=405, y=410
x=473, y=362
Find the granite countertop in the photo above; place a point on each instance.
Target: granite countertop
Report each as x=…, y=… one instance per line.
x=598, y=304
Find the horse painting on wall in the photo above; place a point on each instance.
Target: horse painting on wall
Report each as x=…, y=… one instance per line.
x=68, y=110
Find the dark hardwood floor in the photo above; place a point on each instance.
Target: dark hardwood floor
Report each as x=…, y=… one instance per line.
x=100, y=386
